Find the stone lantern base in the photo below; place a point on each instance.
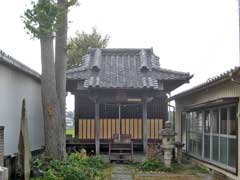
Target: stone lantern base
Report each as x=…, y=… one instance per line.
x=167, y=149
x=3, y=173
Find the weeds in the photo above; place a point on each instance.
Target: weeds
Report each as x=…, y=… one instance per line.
x=77, y=167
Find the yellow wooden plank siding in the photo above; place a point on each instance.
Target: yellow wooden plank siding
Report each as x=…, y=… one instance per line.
x=88, y=129
x=149, y=124
x=154, y=125
x=105, y=130
x=92, y=129
x=101, y=129
x=131, y=121
x=108, y=127
x=135, y=133
x=161, y=124
x=80, y=134
x=152, y=128
x=140, y=128
x=84, y=129
x=113, y=126
x=127, y=126
x=123, y=126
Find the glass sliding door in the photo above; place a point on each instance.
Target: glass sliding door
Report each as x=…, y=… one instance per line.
x=215, y=135
x=184, y=129
x=207, y=130
x=212, y=135
x=223, y=138
x=195, y=133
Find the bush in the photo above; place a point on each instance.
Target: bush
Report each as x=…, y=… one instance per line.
x=77, y=167
x=155, y=165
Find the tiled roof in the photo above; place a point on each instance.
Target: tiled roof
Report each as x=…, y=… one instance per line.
x=10, y=61
x=210, y=82
x=123, y=68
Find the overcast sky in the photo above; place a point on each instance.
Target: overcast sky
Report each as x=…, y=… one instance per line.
x=196, y=36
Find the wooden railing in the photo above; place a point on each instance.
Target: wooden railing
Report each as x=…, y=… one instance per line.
x=108, y=127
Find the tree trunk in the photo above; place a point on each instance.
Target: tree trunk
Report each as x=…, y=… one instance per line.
x=60, y=70
x=50, y=102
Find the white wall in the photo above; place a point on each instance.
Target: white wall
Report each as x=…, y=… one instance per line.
x=14, y=86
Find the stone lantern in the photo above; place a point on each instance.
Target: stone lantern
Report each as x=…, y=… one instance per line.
x=179, y=147
x=168, y=135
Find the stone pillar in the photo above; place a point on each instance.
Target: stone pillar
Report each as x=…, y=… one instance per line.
x=145, y=128
x=167, y=144
x=97, y=128
x=3, y=173
x=1, y=145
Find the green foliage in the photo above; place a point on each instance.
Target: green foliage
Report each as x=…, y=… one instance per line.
x=78, y=46
x=154, y=165
x=77, y=167
x=43, y=18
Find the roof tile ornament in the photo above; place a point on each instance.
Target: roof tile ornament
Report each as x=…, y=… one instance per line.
x=97, y=59
x=143, y=59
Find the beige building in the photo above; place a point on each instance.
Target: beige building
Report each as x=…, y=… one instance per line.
x=207, y=118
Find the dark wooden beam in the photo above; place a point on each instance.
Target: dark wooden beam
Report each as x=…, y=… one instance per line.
x=76, y=115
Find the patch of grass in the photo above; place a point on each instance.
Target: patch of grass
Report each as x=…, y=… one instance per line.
x=70, y=132
x=106, y=174
x=154, y=165
x=192, y=169
x=201, y=169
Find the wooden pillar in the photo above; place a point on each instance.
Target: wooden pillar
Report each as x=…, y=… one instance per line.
x=145, y=127
x=76, y=116
x=97, y=128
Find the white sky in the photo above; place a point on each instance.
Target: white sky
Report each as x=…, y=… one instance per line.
x=196, y=36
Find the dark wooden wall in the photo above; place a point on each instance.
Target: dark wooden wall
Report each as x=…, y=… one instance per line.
x=131, y=115
x=157, y=108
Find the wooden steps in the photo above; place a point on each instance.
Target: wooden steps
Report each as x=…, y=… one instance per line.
x=121, y=149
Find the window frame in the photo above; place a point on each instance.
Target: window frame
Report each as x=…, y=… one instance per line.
x=228, y=136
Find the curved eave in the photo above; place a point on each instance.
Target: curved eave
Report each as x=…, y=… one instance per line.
x=175, y=83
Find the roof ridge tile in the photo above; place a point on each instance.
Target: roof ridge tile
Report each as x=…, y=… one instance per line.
x=208, y=82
